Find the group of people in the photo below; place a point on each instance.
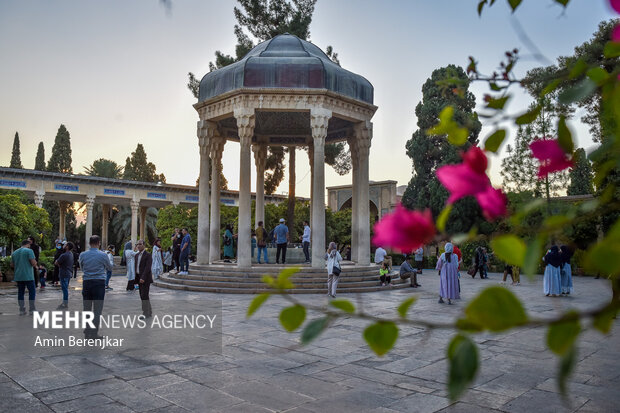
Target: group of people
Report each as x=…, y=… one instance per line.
x=558, y=278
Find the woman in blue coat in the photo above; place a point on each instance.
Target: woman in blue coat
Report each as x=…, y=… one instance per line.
x=551, y=280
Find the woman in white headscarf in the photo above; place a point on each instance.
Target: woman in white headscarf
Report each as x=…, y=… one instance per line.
x=448, y=267
x=131, y=271
x=333, y=269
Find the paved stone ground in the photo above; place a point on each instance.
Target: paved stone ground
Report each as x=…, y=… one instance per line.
x=262, y=368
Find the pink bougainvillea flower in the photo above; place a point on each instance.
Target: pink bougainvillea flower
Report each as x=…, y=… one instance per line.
x=493, y=203
x=615, y=4
x=404, y=230
x=551, y=156
x=469, y=178
x=615, y=34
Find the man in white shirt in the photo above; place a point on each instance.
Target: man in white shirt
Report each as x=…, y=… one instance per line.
x=381, y=255
x=305, y=241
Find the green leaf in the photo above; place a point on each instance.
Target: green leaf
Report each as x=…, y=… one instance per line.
x=598, y=75
x=442, y=219
x=256, y=303
x=381, y=336
x=514, y=4
x=561, y=336
x=578, y=92
x=292, y=317
x=611, y=50
x=496, y=309
x=494, y=87
x=464, y=324
x=578, y=69
x=283, y=282
x=603, y=258
x=498, y=104
x=567, y=365
x=269, y=280
x=562, y=2
x=551, y=86
x=557, y=221
x=313, y=329
x=509, y=248
x=404, y=306
x=481, y=6
x=565, y=137
x=603, y=321
x=495, y=140
x=533, y=254
x=529, y=116
x=447, y=126
x=463, y=358
x=344, y=305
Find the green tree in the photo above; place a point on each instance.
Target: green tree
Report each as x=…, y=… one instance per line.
x=104, y=168
x=177, y=216
x=39, y=224
x=519, y=169
x=581, y=175
x=14, y=219
x=121, y=225
x=16, y=159
x=39, y=161
x=447, y=86
x=137, y=168
x=60, y=160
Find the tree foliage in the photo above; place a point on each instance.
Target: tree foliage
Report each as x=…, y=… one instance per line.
x=21, y=220
x=177, y=216
x=39, y=161
x=104, y=168
x=519, y=169
x=581, y=175
x=16, y=160
x=138, y=168
x=60, y=160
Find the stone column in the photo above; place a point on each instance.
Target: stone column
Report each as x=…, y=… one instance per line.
x=90, y=203
x=260, y=157
x=39, y=197
x=245, y=128
x=217, y=147
x=311, y=158
x=105, y=220
x=319, y=118
x=62, y=207
x=355, y=247
x=363, y=134
x=206, y=131
x=143, y=223
x=135, y=205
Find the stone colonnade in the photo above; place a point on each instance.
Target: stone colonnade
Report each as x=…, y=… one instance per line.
x=211, y=145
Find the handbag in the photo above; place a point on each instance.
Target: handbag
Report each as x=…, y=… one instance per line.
x=472, y=270
x=336, y=270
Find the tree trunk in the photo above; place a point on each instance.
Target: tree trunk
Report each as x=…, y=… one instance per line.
x=290, y=214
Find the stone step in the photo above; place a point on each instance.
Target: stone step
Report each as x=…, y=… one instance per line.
x=275, y=269
x=228, y=290
x=215, y=276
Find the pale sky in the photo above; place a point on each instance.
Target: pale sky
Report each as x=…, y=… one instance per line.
x=114, y=72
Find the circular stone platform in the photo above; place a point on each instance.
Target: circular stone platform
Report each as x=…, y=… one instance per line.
x=227, y=278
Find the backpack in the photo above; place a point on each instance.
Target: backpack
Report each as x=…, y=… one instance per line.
x=270, y=235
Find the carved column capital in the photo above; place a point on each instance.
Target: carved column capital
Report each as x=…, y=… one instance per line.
x=363, y=137
x=90, y=202
x=245, y=124
x=206, y=131
x=39, y=197
x=260, y=153
x=217, y=147
x=319, y=119
x=135, y=206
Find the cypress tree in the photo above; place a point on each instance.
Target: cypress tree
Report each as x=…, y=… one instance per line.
x=60, y=161
x=16, y=160
x=137, y=168
x=39, y=162
x=580, y=175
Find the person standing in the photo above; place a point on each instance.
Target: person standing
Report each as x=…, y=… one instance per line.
x=110, y=254
x=485, y=262
x=129, y=262
x=282, y=238
x=478, y=263
x=261, y=242
x=333, y=269
x=448, y=267
x=76, y=258
x=157, y=268
x=419, y=259
x=407, y=271
x=23, y=262
x=42, y=275
x=94, y=264
x=55, y=273
x=566, y=274
x=144, y=276
x=186, y=246
x=65, y=271
x=552, y=283
x=37, y=250
x=229, y=249
x=305, y=241
x=176, y=248
x=168, y=260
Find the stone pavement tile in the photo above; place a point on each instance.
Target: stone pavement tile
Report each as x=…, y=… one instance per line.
x=224, y=366
x=461, y=407
x=331, y=376
x=418, y=402
x=81, y=368
x=416, y=388
x=186, y=364
x=92, y=400
x=512, y=385
x=35, y=383
x=15, y=399
x=437, y=372
x=348, y=358
x=367, y=373
x=273, y=362
x=605, y=392
x=82, y=390
x=391, y=391
x=598, y=366
x=404, y=365
x=244, y=408
x=139, y=400
x=106, y=408
x=598, y=406
x=195, y=397
x=350, y=401
x=485, y=399
x=266, y=395
x=312, y=368
x=115, y=362
x=140, y=372
x=307, y=385
x=543, y=402
x=153, y=382
x=170, y=409
x=300, y=357
x=212, y=378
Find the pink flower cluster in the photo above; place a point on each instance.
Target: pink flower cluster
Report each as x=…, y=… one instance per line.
x=404, y=230
x=615, y=34
x=551, y=156
x=470, y=178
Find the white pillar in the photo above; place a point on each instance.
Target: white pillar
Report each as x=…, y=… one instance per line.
x=90, y=203
x=135, y=205
x=311, y=158
x=143, y=223
x=217, y=147
x=363, y=136
x=39, y=197
x=105, y=219
x=355, y=247
x=206, y=130
x=245, y=128
x=319, y=118
x=260, y=157
x=62, y=223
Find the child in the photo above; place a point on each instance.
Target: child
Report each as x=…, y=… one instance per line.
x=42, y=275
x=384, y=274
x=168, y=260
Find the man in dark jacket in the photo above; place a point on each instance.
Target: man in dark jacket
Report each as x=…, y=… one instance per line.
x=144, y=277
x=36, y=249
